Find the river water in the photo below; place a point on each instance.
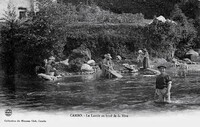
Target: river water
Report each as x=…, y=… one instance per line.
x=130, y=94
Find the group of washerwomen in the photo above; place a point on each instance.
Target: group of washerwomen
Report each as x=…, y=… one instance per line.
x=48, y=71
x=142, y=59
x=163, y=80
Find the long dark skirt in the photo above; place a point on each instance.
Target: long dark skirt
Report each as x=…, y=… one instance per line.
x=140, y=64
x=146, y=63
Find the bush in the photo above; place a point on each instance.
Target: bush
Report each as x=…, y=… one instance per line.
x=160, y=39
x=170, y=38
x=185, y=32
x=117, y=39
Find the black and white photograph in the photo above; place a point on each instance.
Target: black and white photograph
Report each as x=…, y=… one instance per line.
x=83, y=62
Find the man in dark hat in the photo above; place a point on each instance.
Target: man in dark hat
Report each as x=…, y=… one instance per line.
x=163, y=85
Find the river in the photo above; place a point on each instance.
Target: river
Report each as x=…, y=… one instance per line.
x=130, y=94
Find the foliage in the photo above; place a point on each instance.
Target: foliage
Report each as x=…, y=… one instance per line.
x=147, y=7
x=67, y=30
x=197, y=40
x=165, y=39
x=7, y=55
x=118, y=39
x=95, y=14
x=185, y=32
x=160, y=39
x=30, y=41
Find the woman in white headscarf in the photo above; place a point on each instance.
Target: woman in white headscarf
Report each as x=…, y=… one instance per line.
x=140, y=58
x=107, y=64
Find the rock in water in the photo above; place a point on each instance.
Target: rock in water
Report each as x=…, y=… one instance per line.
x=118, y=57
x=78, y=57
x=86, y=67
x=91, y=62
x=149, y=71
x=65, y=62
x=193, y=55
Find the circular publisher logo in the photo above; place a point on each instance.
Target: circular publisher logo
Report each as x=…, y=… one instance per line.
x=8, y=112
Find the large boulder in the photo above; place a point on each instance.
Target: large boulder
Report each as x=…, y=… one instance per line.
x=161, y=18
x=161, y=61
x=86, y=67
x=78, y=57
x=158, y=61
x=80, y=52
x=192, y=52
x=91, y=62
x=65, y=62
x=193, y=55
x=118, y=57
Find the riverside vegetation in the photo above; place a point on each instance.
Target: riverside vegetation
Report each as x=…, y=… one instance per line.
x=63, y=30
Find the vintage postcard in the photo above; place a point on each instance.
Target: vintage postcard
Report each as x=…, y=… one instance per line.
x=99, y=63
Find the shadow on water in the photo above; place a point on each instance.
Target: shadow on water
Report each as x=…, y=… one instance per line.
x=132, y=93
x=7, y=90
x=9, y=85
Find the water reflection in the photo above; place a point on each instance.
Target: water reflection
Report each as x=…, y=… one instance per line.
x=132, y=93
x=8, y=91
x=8, y=84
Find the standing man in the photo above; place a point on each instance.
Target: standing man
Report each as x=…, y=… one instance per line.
x=163, y=85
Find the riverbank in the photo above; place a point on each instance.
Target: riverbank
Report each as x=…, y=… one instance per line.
x=154, y=63
x=119, y=67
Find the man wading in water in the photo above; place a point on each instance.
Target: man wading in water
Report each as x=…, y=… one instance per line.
x=163, y=85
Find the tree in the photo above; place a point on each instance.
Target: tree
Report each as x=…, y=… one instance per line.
x=8, y=33
x=185, y=32
x=161, y=40
x=27, y=42
x=171, y=38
